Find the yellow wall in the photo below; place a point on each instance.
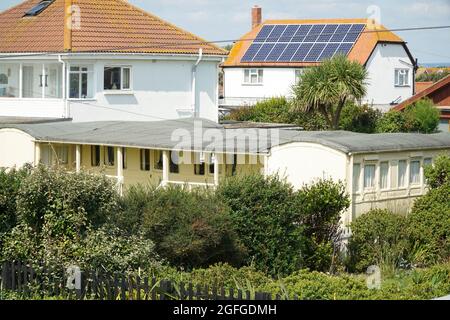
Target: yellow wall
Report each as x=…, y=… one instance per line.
x=133, y=174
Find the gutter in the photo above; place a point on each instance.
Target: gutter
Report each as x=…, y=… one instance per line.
x=194, y=83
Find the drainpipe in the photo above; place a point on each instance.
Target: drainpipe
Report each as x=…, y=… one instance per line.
x=194, y=83
x=64, y=91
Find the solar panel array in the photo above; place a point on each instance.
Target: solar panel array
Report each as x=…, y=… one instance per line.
x=302, y=42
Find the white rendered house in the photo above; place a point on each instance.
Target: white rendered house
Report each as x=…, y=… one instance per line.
x=103, y=60
x=269, y=60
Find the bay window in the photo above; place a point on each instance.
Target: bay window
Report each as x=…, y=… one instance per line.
x=81, y=82
x=117, y=78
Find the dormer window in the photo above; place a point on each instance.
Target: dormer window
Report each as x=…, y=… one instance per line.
x=37, y=9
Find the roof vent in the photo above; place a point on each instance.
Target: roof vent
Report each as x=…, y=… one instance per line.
x=41, y=6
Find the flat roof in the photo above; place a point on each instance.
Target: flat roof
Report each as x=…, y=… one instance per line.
x=204, y=135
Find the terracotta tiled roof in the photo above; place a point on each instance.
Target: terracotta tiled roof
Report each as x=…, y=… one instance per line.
x=105, y=26
x=360, y=52
x=424, y=93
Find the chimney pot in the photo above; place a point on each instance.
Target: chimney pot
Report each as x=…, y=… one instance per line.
x=256, y=16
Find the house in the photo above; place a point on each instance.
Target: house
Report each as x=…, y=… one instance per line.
x=90, y=60
x=439, y=93
x=269, y=60
x=378, y=170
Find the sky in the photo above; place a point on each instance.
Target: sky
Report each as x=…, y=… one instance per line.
x=229, y=19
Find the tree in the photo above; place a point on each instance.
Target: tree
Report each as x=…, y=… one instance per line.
x=422, y=116
x=329, y=86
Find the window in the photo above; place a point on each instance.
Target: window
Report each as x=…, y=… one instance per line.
x=253, y=76
x=402, y=173
x=109, y=156
x=356, y=175
x=158, y=160
x=369, y=176
x=211, y=163
x=95, y=156
x=414, y=172
x=174, y=162
x=199, y=164
x=42, y=81
x=298, y=75
x=80, y=82
x=402, y=77
x=62, y=154
x=124, y=158
x=117, y=78
x=41, y=6
x=427, y=162
x=384, y=175
x=9, y=80
x=145, y=160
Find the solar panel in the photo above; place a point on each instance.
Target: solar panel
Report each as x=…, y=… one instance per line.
x=302, y=42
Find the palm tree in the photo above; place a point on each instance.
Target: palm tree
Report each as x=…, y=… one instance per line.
x=327, y=87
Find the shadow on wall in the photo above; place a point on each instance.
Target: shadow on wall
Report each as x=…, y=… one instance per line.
x=121, y=99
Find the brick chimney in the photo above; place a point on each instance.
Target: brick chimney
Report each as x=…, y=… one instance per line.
x=256, y=16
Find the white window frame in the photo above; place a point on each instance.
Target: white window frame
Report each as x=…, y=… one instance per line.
x=297, y=75
x=405, y=74
x=80, y=72
x=356, y=185
x=406, y=183
x=259, y=73
x=122, y=67
x=418, y=173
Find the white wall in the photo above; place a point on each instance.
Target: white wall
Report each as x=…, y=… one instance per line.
x=277, y=82
x=381, y=68
x=161, y=89
x=16, y=148
x=303, y=163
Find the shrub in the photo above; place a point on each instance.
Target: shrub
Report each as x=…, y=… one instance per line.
x=438, y=174
x=264, y=211
x=321, y=205
x=392, y=121
x=422, y=116
x=278, y=110
x=10, y=183
x=359, y=118
x=189, y=228
x=51, y=193
x=379, y=237
x=434, y=76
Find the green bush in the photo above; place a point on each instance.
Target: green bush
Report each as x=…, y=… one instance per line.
x=50, y=193
x=278, y=110
x=422, y=116
x=392, y=121
x=379, y=237
x=265, y=212
x=438, y=174
x=321, y=205
x=189, y=228
x=434, y=76
x=10, y=182
x=359, y=118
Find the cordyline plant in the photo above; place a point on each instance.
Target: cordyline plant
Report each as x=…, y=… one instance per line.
x=327, y=87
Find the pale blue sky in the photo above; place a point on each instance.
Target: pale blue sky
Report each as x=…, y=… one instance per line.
x=230, y=19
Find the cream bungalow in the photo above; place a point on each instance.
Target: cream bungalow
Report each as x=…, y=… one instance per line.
x=379, y=170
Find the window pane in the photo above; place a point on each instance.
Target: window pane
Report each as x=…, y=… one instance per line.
x=402, y=173
x=356, y=175
x=427, y=161
x=254, y=78
x=260, y=76
x=109, y=159
x=62, y=153
x=246, y=76
x=31, y=81
x=74, y=86
x=174, y=162
x=112, y=78
x=384, y=175
x=9, y=80
x=95, y=156
x=53, y=81
x=126, y=78
x=369, y=176
x=158, y=159
x=414, y=177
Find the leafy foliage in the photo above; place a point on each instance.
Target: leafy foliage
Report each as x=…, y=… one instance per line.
x=264, y=211
x=359, y=118
x=434, y=76
x=438, y=174
x=190, y=228
x=329, y=86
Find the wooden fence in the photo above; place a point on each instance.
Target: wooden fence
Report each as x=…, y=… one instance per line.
x=24, y=280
